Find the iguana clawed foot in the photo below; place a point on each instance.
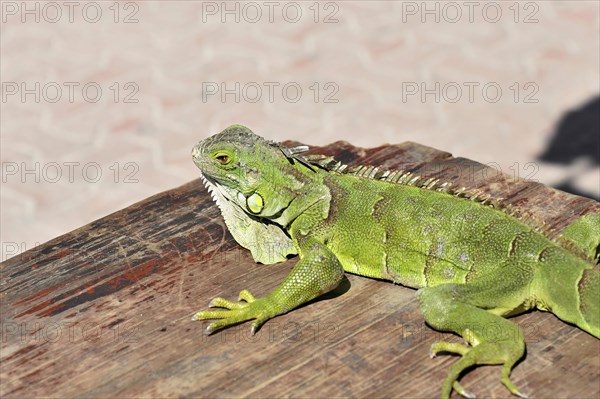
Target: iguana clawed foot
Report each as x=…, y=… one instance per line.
x=247, y=308
x=483, y=353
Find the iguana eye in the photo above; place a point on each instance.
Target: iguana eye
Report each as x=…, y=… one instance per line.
x=255, y=203
x=223, y=159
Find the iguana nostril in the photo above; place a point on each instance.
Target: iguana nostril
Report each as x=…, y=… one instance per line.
x=195, y=152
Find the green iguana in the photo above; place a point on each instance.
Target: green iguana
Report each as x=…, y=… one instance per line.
x=472, y=262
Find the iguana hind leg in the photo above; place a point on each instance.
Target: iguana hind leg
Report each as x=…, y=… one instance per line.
x=579, y=304
x=589, y=302
x=584, y=233
x=473, y=311
x=575, y=299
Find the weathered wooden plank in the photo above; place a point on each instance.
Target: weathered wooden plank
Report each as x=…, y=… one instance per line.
x=104, y=311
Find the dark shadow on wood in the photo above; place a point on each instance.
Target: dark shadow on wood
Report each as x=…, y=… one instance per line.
x=567, y=186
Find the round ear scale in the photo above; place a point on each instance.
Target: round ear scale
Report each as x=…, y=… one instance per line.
x=255, y=203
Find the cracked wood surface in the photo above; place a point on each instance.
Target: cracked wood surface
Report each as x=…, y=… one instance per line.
x=104, y=311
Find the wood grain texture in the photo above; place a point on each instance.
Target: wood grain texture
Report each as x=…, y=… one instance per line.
x=104, y=311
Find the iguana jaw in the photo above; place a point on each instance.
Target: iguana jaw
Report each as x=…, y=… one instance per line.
x=268, y=243
x=218, y=193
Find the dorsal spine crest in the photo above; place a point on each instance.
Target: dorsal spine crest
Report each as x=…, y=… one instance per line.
x=402, y=177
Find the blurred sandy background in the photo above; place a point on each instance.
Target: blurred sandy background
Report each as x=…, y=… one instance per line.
x=103, y=101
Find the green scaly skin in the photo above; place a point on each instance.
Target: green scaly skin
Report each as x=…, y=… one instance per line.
x=472, y=264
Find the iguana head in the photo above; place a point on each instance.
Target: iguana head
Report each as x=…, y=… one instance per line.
x=247, y=170
x=254, y=182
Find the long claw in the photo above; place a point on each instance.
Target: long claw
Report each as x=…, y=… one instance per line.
x=469, y=357
x=231, y=312
x=461, y=391
x=245, y=295
x=224, y=303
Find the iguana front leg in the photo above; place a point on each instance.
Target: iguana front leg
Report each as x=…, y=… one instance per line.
x=318, y=271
